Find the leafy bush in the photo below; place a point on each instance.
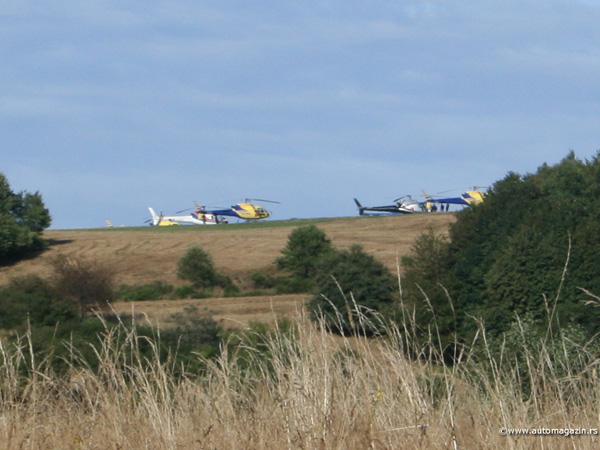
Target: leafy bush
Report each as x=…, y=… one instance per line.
x=197, y=266
x=252, y=347
x=34, y=300
x=193, y=332
x=305, y=246
x=88, y=284
x=565, y=347
x=192, y=338
x=263, y=281
x=352, y=284
x=187, y=291
x=293, y=285
x=156, y=290
x=282, y=284
x=424, y=286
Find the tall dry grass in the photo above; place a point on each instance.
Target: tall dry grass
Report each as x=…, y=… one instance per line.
x=299, y=389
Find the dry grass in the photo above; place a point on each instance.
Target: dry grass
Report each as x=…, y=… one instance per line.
x=230, y=312
x=303, y=389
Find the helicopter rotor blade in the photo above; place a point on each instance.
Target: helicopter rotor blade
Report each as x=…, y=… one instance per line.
x=261, y=200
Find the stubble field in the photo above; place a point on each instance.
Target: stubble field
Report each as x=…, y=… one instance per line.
x=143, y=255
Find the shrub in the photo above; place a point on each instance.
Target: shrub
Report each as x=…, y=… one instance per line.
x=32, y=299
x=424, y=286
x=187, y=291
x=196, y=266
x=186, y=344
x=194, y=332
x=293, y=285
x=151, y=291
x=352, y=284
x=305, y=246
x=88, y=284
x=230, y=289
x=263, y=281
x=282, y=284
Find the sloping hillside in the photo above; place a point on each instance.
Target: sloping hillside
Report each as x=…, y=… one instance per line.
x=142, y=255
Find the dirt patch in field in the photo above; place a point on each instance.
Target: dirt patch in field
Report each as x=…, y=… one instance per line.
x=144, y=255
x=231, y=312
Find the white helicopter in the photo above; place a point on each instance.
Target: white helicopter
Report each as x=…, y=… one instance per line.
x=402, y=205
x=195, y=218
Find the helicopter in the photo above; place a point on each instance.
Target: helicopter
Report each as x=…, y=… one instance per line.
x=408, y=205
x=195, y=218
x=402, y=205
x=244, y=210
x=472, y=197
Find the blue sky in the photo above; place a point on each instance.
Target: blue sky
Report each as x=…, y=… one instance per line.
x=109, y=107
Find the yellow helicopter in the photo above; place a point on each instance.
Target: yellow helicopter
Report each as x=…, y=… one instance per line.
x=244, y=210
x=472, y=197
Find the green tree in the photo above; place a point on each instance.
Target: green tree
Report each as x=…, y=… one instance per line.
x=529, y=248
x=351, y=285
x=425, y=287
x=22, y=218
x=425, y=265
x=197, y=267
x=305, y=246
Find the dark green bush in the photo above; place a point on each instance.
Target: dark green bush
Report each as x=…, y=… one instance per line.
x=33, y=300
x=282, y=284
x=293, y=285
x=351, y=286
x=194, y=332
x=305, y=246
x=187, y=291
x=157, y=290
x=230, y=289
x=263, y=281
x=197, y=267
x=254, y=347
x=191, y=338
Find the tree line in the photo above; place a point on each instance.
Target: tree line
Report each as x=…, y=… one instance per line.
x=529, y=250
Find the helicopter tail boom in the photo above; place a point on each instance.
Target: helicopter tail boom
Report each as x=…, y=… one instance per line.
x=361, y=209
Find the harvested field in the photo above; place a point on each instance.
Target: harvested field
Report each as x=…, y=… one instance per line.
x=231, y=312
x=143, y=255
